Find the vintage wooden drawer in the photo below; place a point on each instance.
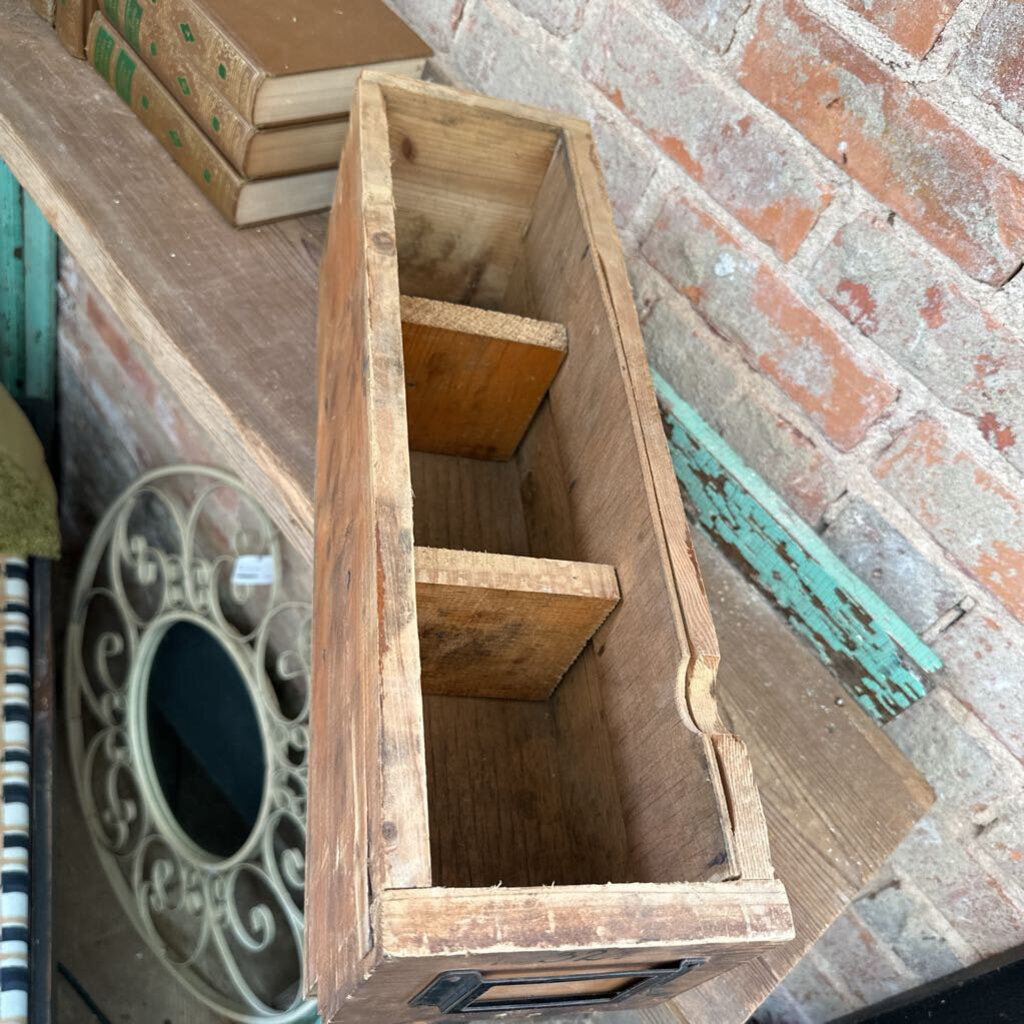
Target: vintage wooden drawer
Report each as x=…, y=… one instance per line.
x=521, y=795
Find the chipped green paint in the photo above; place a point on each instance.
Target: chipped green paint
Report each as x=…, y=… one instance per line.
x=875, y=653
x=216, y=123
x=186, y=32
x=12, y=284
x=28, y=296
x=40, y=303
x=175, y=138
x=183, y=85
x=207, y=175
x=152, y=49
x=222, y=71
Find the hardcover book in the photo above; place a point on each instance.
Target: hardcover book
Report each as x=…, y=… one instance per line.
x=240, y=200
x=253, y=152
x=274, y=63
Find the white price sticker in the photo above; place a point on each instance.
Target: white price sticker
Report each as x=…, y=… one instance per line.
x=253, y=570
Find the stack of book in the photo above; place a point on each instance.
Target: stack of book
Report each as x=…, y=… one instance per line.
x=251, y=98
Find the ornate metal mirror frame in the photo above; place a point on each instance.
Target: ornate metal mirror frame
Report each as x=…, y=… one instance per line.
x=187, y=544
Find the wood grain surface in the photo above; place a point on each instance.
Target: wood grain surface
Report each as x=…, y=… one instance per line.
x=505, y=626
x=227, y=317
x=474, y=377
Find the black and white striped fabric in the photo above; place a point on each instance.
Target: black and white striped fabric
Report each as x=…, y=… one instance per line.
x=14, y=663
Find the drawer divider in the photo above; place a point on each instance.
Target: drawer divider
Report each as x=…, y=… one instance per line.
x=505, y=626
x=474, y=377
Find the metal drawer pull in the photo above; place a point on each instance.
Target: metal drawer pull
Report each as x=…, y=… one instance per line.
x=467, y=991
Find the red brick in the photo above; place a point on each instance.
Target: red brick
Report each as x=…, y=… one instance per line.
x=901, y=919
x=693, y=360
x=992, y=63
x=969, y=896
x=498, y=51
x=978, y=520
x=816, y=994
x=983, y=665
x=913, y=24
x=734, y=155
x=561, y=19
x=897, y=145
x=747, y=303
x=713, y=22
x=911, y=309
x=121, y=348
x=850, y=951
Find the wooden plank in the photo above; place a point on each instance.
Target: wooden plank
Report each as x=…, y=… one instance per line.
x=421, y=922
x=681, y=830
x=463, y=187
x=474, y=377
x=505, y=626
x=40, y=302
x=468, y=503
x=702, y=641
x=430, y=929
x=12, y=285
x=498, y=815
x=344, y=720
x=876, y=653
x=367, y=830
x=94, y=172
x=838, y=796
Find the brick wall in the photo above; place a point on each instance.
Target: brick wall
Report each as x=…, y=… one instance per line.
x=117, y=420
x=822, y=204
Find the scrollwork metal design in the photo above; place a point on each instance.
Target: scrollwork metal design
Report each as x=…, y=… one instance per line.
x=230, y=928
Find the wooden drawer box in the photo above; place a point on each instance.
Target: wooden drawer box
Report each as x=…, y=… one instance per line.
x=521, y=795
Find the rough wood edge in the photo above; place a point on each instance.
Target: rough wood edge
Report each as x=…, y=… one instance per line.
x=449, y=567
x=474, y=100
x=438, y=922
x=403, y=844
x=485, y=323
x=556, y=593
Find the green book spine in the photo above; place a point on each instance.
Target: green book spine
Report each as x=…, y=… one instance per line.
x=189, y=41
x=158, y=110
x=152, y=31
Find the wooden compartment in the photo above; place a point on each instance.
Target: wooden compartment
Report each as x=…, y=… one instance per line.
x=521, y=795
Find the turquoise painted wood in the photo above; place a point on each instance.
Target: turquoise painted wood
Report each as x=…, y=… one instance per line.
x=12, y=285
x=40, y=302
x=28, y=296
x=876, y=655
